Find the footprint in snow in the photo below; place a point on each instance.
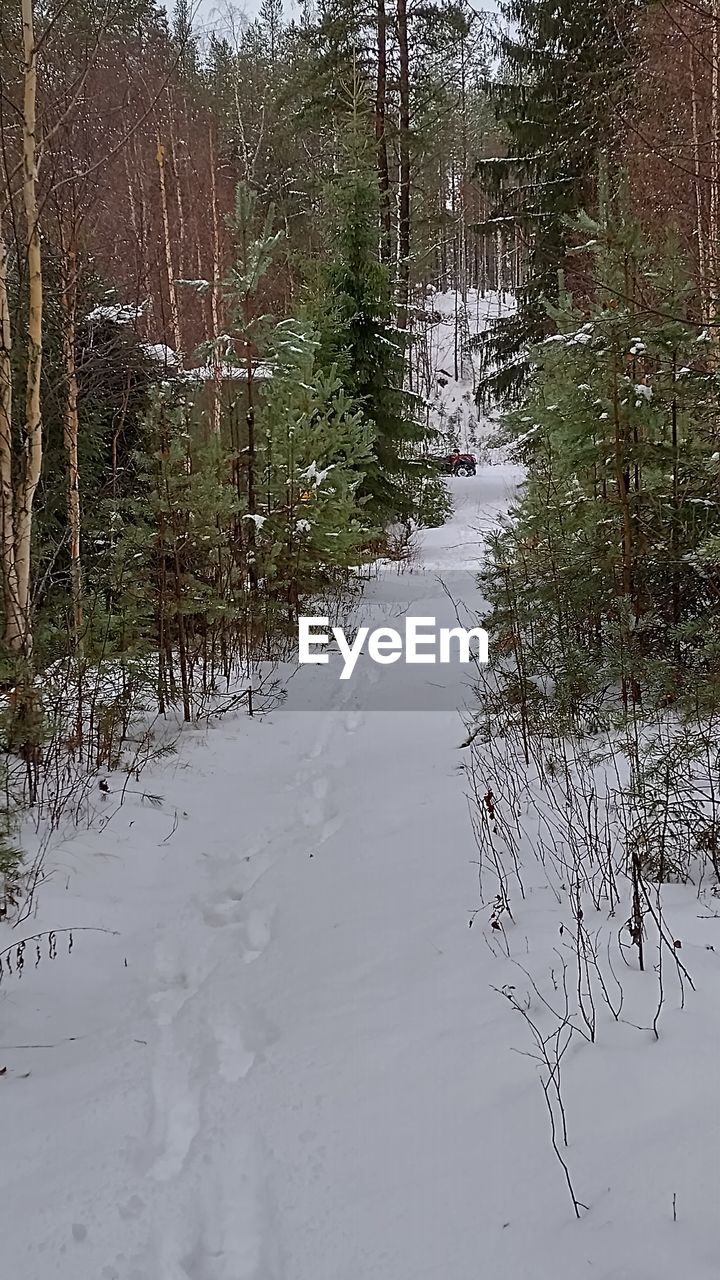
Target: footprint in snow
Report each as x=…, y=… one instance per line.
x=241, y=1034
x=228, y=911
x=132, y=1209
x=257, y=934
x=176, y=1104
x=320, y=788
x=312, y=811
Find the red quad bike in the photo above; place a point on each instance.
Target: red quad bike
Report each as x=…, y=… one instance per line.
x=460, y=464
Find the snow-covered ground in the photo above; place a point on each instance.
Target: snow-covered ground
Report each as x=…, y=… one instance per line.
x=241, y=1077
x=285, y=1060
x=274, y=1050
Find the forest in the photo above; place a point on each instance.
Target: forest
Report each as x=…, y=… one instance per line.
x=219, y=252
x=265, y=275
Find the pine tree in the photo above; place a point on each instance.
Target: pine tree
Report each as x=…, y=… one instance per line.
x=185, y=43
x=560, y=97
x=270, y=22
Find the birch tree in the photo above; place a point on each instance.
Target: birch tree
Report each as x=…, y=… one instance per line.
x=19, y=483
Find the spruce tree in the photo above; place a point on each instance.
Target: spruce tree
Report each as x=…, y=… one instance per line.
x=360, y=340
x=560, y=95
x=611, y=564
x=313, y=446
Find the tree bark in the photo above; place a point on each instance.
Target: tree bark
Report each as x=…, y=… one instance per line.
x=404, y=183
x=714, y=176
x=12, y=624
x=182, y=236
x=380, y=135
x=33, y=417
x=69, y=270
x=172, y=292
x=215, y=294
x=702, y=255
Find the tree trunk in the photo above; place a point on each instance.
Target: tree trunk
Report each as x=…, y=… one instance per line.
x=12, y=623
x=702, y=255
x=182, y=236
x=71, y=430
x=174, y=313
x=622, y=483
x=404, y=185
x=380, y=136
x=714, y=174
x=215, y=294
x=464, y=190
x=250, y=421
x=33, y=418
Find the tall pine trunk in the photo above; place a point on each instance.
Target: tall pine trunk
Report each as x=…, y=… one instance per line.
x=69, y=269
x=172, y=292
x=714, y=155
x=215, y=292
x=380, y=135
x=404, y=184
x=700, y=229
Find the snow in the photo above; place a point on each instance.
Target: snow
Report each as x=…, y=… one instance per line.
x=161, y=354
x=315, y=475
x=581, y=338
x=114, y=313
x=226, y=371
x=279, y=1052
x=451, y=404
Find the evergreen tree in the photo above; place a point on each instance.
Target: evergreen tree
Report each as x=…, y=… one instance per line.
x=176, y=587
x=561, y=93
x=359, y=338
x=610, y=571
x=270, y=23
x=184, y=40
x=314, y=443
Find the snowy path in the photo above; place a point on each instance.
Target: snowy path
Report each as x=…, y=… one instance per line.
x=289, y=1064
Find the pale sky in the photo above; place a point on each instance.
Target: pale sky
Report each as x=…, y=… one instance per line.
x=208, y=11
